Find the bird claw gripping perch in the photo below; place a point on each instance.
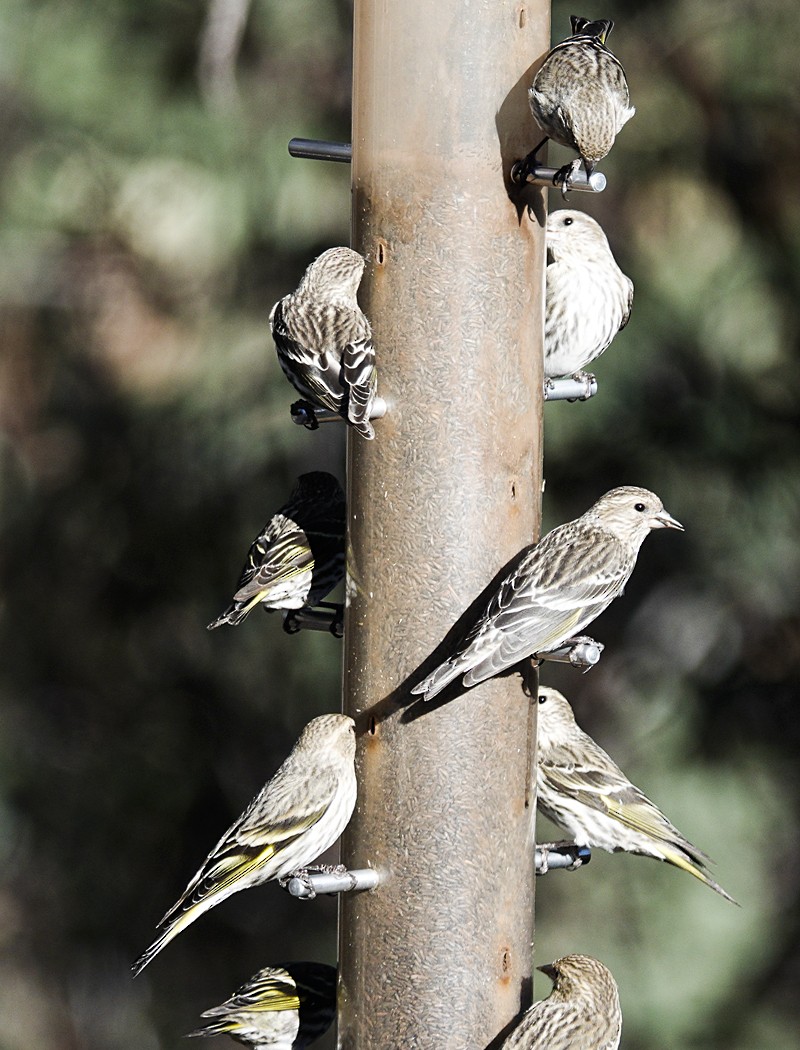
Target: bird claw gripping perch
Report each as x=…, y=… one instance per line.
x=567, y=856
x=308, y=883
x=327, y=616
x=526, y=172
x=304, y=414
x=580, y=652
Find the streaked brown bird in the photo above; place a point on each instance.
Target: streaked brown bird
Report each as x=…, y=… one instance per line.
x=588, y=298
x=299, y=556
x=582, y=1012
x=557, y=588
x=583, y=791
x=324, y=341
x=279, y=1008
x=579, y=98
x=301, y=811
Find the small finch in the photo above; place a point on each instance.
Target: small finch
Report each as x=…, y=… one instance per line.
x=588, y=297
x=324, y=341
x=579, y=97
x=298, y=557
x=279, y=1008
x=582, y=1011
x=557, y=588
x=582, y=790
x=301, y=811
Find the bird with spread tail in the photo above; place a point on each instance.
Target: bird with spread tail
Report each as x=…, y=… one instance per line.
x=557, y=587
x=579, y=98
x=324, y=341
x=280, y=1008
x=585, y=793
x=296, y=816
x=299, y=556
x=588, y=299
x=582, y=1012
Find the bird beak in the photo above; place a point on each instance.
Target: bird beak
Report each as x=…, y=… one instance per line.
x=548, y=969
x=666, y=521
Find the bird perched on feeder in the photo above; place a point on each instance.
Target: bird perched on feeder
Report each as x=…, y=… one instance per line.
x=279, y=1008
x=579, y=98
x=557, y=587
x=324, y=341
x=583, y=791
x=582, y=1011
x=588, y=299
x=299, y=556
x=296, y=816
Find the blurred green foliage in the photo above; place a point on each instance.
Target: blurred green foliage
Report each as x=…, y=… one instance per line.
x=148, y=220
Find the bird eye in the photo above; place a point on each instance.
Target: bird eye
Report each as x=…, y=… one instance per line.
x=568, y=222
x=542, y=697
x=640, y=507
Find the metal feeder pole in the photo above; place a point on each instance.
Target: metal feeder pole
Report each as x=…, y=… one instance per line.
x=439, y=954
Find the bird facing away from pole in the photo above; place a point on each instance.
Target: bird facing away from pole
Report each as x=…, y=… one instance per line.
x=279, y=1008
x=299, y=556
x=582, y=1011
x=324, y=341
x=558, y=586
x=588, y=299
x=579, y=98
x=296, y=816
x=583, y=791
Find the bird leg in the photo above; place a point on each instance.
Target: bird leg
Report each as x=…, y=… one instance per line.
x=564, y=849
x=523, y=168
x=565, y=175
x=303, y=875
x=303, y=412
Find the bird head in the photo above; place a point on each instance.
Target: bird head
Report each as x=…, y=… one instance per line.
x=630, y=513
x=336, y=274
x=576, y=235
x=581, y=977
x=329, y=733
x=555, y=721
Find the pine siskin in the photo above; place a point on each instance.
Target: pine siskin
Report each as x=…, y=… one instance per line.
x=279, y=1008
x=588, y=297
x=557, y=588
x=301, y=811
x=298, y=557
x=582, y=790
x=582, y=1011
x=579, y=97
x=324, y=341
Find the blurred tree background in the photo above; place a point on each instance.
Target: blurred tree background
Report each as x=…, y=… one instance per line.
x=149, y=217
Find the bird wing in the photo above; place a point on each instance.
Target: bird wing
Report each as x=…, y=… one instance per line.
x=314, y=370
x=270, y=989
x=596, y=782
x=279, y=556
x=561, y=585
x=361, y=378
x=627, y=314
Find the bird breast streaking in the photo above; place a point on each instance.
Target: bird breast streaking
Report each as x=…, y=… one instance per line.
x=324, y=341
x=557, y=587
x=588, y=299
x=582, y=1012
